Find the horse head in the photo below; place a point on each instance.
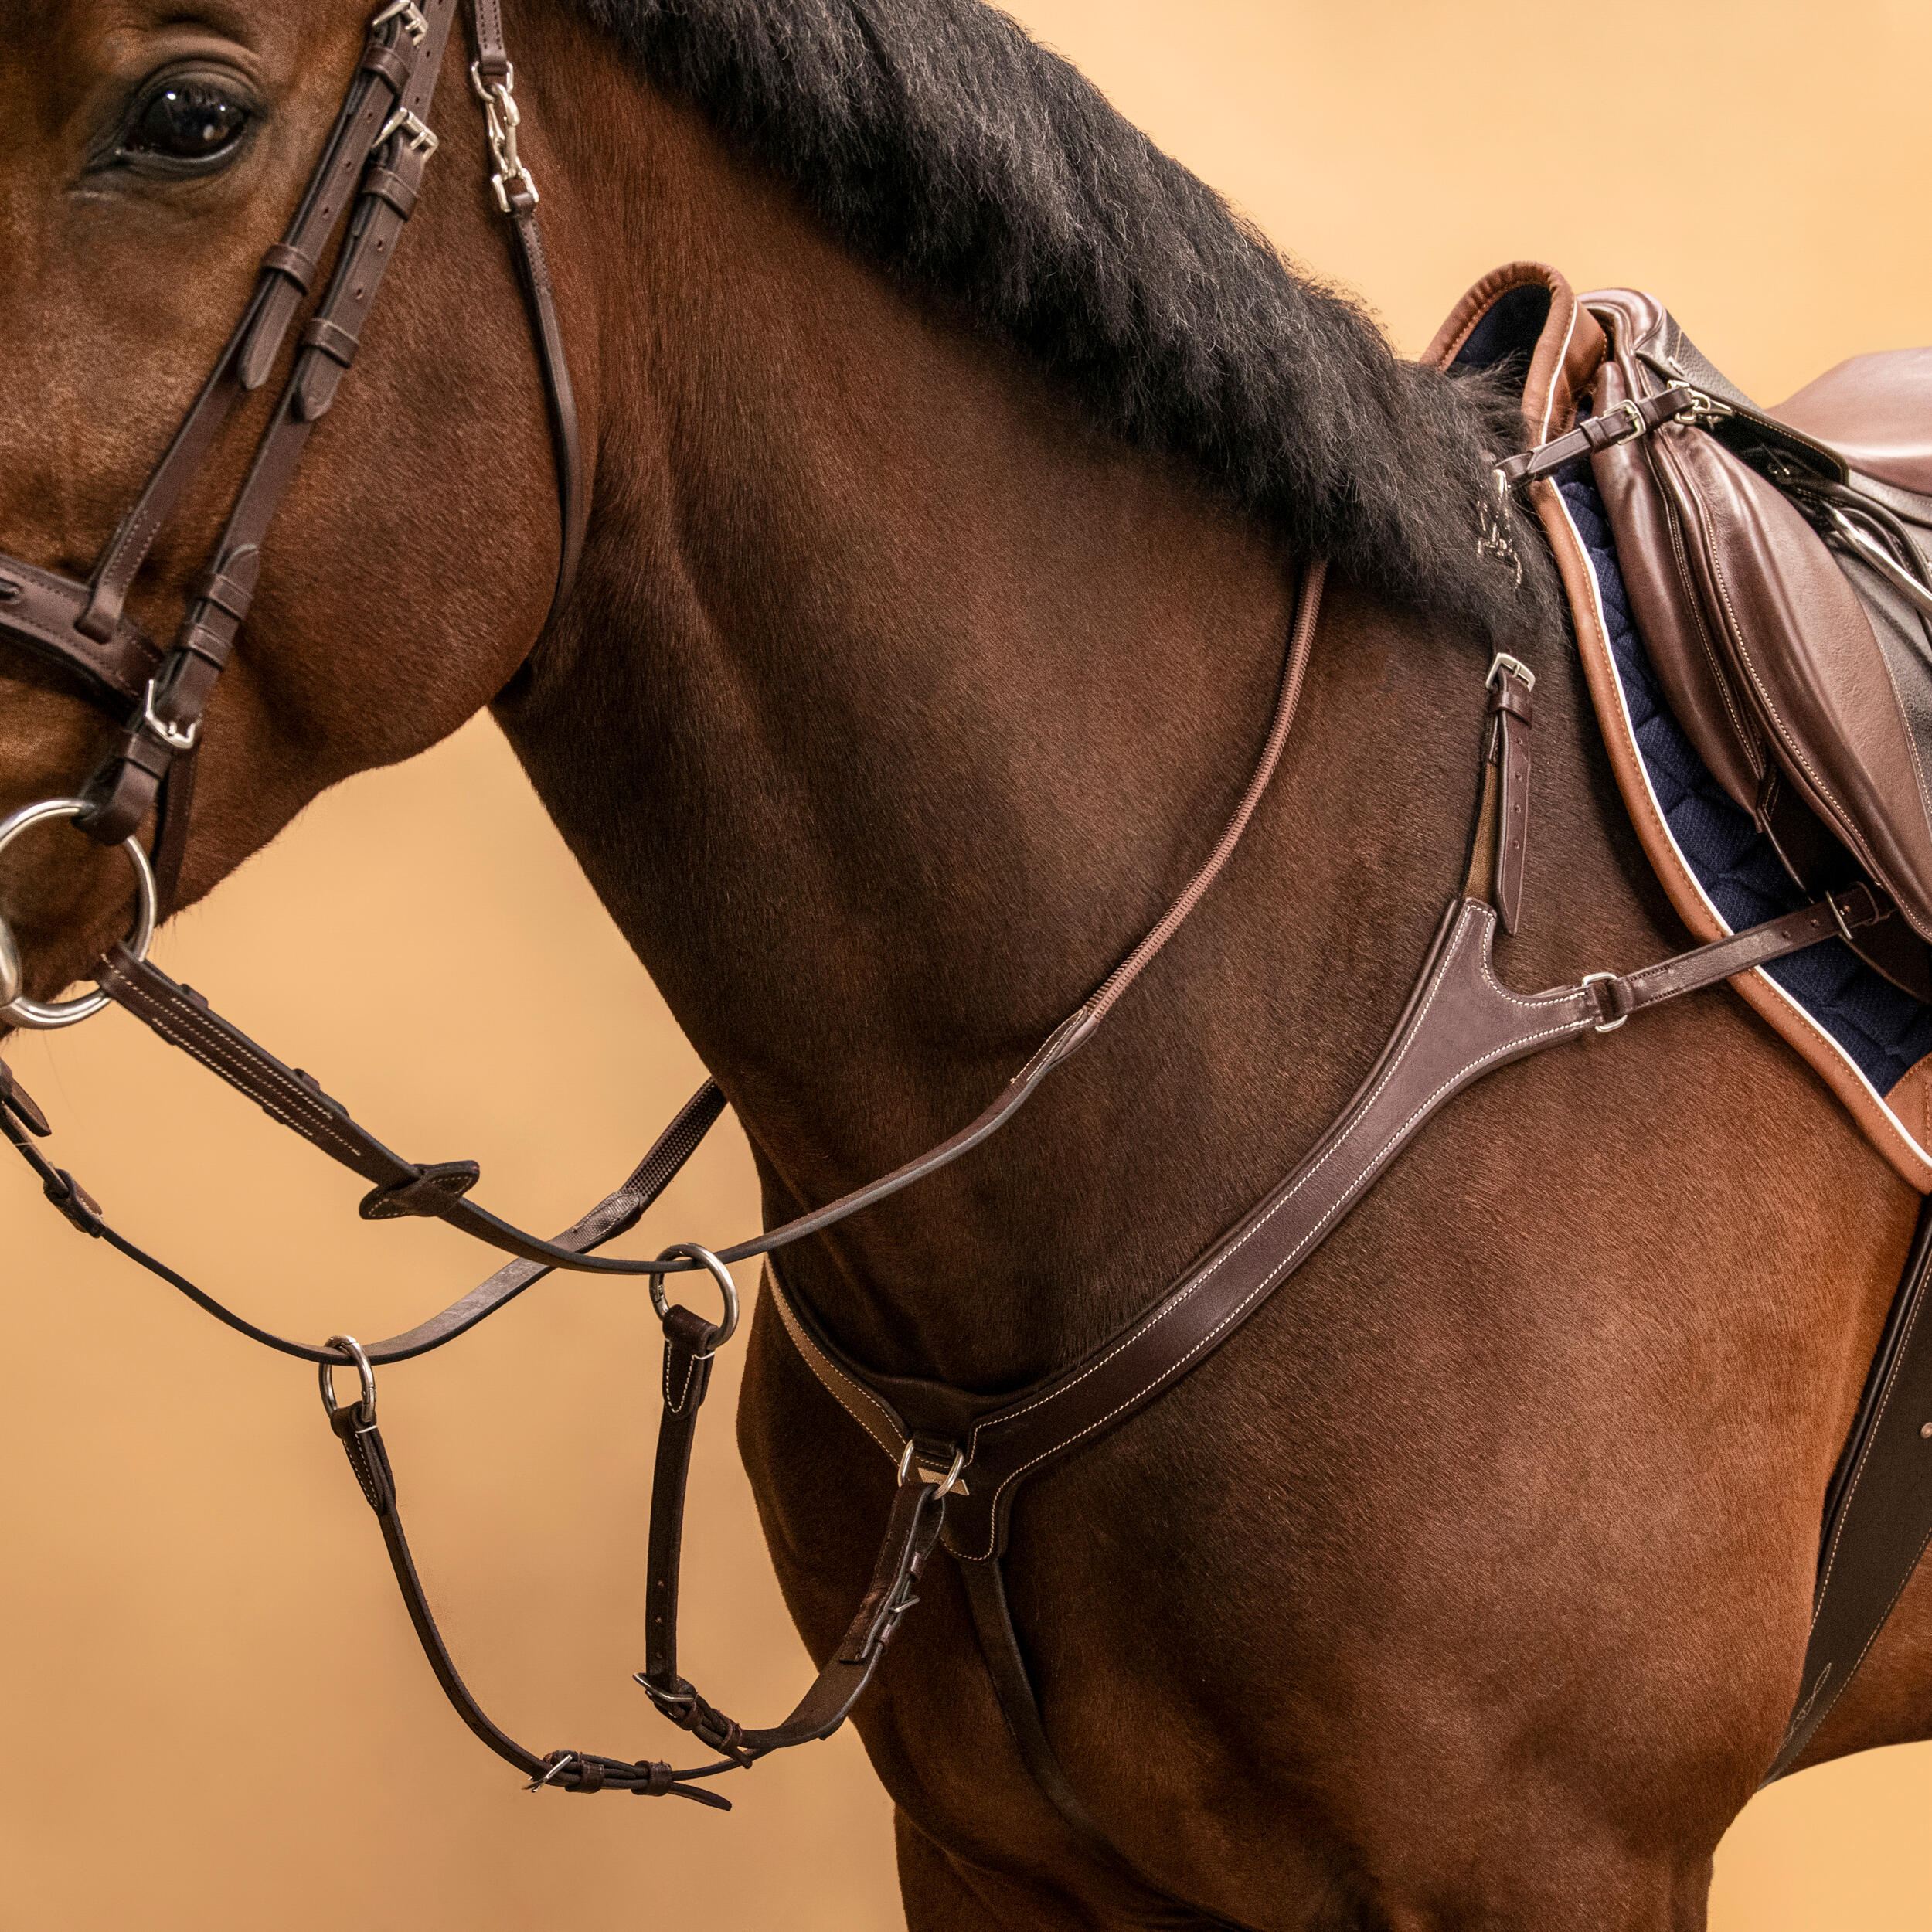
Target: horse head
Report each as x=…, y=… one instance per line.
x=409, y=566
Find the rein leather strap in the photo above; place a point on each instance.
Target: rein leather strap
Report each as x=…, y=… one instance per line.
x=440, y=1190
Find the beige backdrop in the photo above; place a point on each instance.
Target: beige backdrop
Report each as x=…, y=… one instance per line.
x=215, y=1715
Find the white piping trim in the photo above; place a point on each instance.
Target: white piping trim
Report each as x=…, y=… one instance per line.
x=1684, y=864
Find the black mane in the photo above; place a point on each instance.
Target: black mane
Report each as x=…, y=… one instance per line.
x=944, y=144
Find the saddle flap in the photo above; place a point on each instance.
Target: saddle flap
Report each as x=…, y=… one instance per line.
x=1794, y=665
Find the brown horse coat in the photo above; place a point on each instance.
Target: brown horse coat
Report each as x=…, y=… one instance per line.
x=1468, y=1588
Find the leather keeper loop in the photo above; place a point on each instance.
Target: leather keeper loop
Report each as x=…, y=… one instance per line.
x=206, y=643
x=225, y=592
x=283, y=260
x=338, y=344
x=120, y=794
x=394, y=68
x=387, y=185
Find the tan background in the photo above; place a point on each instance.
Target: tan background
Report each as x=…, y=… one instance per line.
x=214, y=1713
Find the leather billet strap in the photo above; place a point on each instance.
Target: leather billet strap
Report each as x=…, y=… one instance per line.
x=1459, y=1024
x=1498, y=846
x=1638, y=417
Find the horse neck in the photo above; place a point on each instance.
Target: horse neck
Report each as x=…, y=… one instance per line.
x=893, y=706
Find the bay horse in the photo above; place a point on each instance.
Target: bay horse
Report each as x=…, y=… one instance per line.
x=955, y=458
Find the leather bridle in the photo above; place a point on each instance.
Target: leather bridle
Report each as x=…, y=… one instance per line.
x=369, y=176
x=961, y=1458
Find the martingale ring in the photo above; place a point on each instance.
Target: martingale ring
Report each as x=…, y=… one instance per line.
x=365, y=1375
x=690, y=1250
x=32, y=1014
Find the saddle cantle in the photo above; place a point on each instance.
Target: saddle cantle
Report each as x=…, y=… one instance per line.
x=1752, y=593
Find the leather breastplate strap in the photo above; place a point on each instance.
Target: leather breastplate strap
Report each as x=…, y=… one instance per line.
x=1459, y=1024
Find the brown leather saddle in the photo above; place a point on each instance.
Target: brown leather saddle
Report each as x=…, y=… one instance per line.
x=1779, y=564
x=1772, y=571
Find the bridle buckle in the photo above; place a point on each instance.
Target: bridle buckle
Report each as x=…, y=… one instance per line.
x=410, y=14
x=177, y=738
x=420, y=135
x=1503, y=664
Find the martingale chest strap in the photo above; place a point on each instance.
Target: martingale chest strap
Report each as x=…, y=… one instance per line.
x=1460, y=1023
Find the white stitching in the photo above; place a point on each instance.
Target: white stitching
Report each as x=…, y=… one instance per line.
x=690, y=1369
x=321, y=1131
x=823, y=1367
x=188, y=1046
x=1347, y=1199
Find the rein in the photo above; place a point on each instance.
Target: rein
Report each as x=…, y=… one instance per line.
x=960, y=1459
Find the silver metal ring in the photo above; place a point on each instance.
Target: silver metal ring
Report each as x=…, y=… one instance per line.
x=721, y=1274
x=32, y=1014
x=9, y=966
x=948, y=1483
x=365, y=1374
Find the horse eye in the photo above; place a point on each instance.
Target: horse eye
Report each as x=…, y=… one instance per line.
x=187, y=119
